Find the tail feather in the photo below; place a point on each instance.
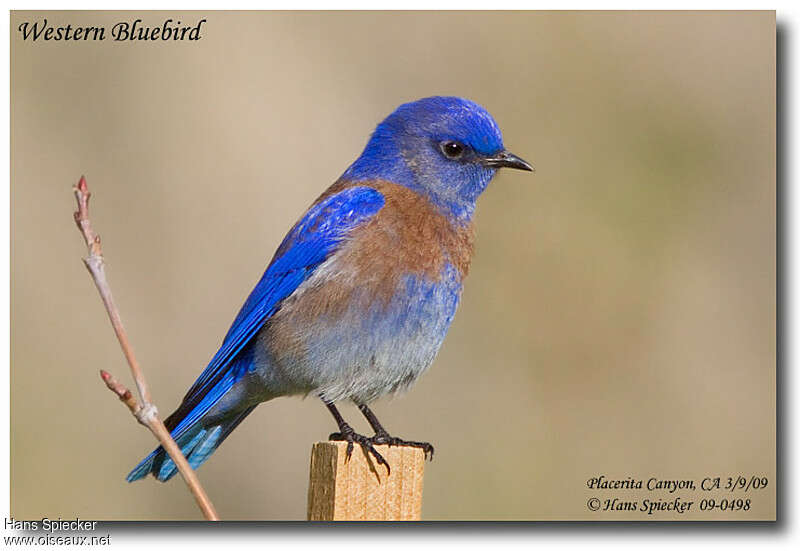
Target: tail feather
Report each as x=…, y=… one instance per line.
x=154, y=462
x=165, y=471
x=142, y=469
x=197, y=444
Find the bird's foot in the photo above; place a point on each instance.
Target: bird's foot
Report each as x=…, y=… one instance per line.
x=350, y=436
x=386, y=438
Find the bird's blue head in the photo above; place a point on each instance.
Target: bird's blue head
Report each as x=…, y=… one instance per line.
x=447, y=148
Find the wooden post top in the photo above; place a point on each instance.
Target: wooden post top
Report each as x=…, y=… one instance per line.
x=361, y=489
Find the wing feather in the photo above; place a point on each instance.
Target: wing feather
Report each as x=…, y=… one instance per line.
x=312, y=240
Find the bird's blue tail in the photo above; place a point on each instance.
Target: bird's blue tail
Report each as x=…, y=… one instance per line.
x=197, y=443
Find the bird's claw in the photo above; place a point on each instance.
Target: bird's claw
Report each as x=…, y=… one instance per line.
x=384, y=438
x=366, y=443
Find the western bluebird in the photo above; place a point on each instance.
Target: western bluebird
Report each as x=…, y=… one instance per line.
x=359, y=295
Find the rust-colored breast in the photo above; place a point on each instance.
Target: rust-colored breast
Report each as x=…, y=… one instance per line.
x=408, y=236
x=411, y=235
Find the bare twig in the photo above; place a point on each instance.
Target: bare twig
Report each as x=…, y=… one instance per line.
x=144, y=412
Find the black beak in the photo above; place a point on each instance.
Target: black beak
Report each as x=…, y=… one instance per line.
x=507, y=160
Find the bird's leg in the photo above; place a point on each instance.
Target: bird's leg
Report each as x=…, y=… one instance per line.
x=347, y=434
x=383, y=437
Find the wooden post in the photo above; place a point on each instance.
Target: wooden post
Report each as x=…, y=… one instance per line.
x=360, y=489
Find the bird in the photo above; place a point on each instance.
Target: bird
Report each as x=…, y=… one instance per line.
x=359, y=295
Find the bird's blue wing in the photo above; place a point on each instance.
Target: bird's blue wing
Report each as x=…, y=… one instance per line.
x=313, y=239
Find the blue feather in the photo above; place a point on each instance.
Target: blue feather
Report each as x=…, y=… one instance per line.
x=307, y=245
x=312, y=240
x=413, y=131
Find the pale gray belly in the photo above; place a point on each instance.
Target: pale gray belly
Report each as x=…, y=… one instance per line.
x=365, y=350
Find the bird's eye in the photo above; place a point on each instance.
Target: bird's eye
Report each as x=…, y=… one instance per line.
x=452, y=150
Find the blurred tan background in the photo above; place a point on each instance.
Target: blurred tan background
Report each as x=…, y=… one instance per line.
x=619, y=318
